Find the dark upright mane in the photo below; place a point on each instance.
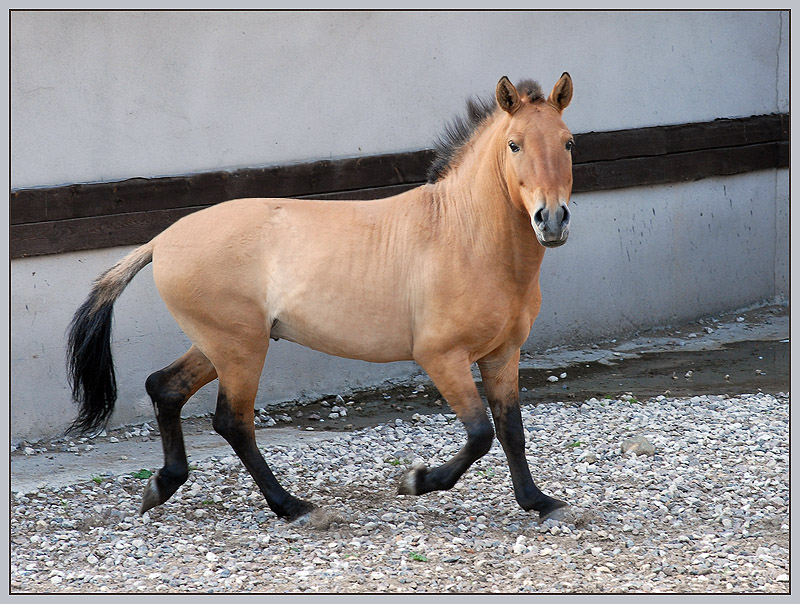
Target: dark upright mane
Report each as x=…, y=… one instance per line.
x=461, y=129
x=456, y=134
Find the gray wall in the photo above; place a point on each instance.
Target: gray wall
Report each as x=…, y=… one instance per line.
x=103, y=96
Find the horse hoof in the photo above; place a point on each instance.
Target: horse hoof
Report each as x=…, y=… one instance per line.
x=557, y=510
x=317, y=518
x=296, y=510
x=567, y=514
x=151, y=497
x=411, y=482
x=562, y=514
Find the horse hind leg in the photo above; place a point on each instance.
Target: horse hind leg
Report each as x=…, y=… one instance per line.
x=169, y=390
x=233, y=420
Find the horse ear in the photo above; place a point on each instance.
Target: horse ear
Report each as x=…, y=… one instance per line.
x=562, y=92
x=507, y=96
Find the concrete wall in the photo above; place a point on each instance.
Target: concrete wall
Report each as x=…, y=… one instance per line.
x=102, y=96
x=105, y=96
x=649, y=256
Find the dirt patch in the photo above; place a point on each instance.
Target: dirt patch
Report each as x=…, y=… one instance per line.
x=741, y=367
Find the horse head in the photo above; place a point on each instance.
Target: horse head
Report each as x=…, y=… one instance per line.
x=538, y=159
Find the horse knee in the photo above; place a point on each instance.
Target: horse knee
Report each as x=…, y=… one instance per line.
x=480, y=435
x=508, y=423
x=512, y=437
x=421, y=479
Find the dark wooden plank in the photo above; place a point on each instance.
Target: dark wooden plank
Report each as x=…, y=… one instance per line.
x=725, y=133
x=785, y=126
x=142, y=195
x=333, y=176
x=618, y=144
x=92, y=199
x=661, y=140
x=95, y=232
x=133, y=228
x=678, y=167
x=77, y=217
x=363, y=194
x=59, y=236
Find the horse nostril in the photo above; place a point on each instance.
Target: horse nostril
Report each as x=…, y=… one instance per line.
x=565, y=216
x=538, y=218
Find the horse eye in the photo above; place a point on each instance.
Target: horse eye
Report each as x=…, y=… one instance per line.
x=513, y=146
x=570, y=145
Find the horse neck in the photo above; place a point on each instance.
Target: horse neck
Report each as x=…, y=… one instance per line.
x=475, y=207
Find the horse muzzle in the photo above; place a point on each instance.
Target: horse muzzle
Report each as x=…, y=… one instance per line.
x=551, y=227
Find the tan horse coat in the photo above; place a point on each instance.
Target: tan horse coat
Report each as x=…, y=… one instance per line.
x=446, y=274
x=446, y=266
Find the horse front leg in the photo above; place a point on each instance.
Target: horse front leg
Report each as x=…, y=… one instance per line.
x=451, y=375
x=501, y=382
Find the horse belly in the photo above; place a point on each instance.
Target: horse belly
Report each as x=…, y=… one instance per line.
x=346, y=320
x=365, y=334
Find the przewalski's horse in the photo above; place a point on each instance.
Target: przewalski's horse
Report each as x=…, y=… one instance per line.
x=446, y=274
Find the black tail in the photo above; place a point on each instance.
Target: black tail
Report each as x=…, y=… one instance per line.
x=90, y=366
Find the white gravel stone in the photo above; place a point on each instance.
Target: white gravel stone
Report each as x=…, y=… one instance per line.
x=680, y=521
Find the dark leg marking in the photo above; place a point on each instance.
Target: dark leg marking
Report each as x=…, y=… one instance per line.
x=501, y=382
x=508, y=423
x=169, y=390
x=238, y=431
x=421, y=479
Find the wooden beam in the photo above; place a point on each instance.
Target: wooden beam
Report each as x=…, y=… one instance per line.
x=204, y=189
x=97, y=215
x=678, y=167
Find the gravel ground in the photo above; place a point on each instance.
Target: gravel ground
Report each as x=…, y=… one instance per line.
x=700, y=505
